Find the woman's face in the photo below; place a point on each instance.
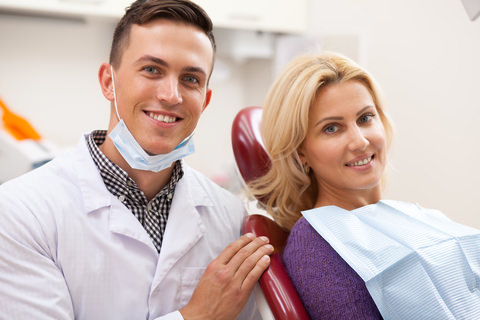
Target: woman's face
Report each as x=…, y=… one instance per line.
x=345, y=144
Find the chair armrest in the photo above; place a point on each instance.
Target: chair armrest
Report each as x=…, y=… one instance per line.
x=276, y=285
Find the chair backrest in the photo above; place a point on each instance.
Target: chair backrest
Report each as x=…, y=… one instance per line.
x=253, y=162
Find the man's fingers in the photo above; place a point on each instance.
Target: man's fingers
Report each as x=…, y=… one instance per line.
x=247, y=251
x=245, y=257
x=254, y=275
x=231, y=250
x=229, y=279
x=253, y=262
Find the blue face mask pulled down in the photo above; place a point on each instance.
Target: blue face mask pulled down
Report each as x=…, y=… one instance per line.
x=416, y=263
x=135, y=155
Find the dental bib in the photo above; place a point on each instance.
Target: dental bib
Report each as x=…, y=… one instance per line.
x=416, y=263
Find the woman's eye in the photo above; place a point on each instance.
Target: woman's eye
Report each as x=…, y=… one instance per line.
x=366, y=118
x=330, y=129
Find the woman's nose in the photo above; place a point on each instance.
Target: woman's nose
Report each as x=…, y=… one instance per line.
x=358, y=139
x=168, y=92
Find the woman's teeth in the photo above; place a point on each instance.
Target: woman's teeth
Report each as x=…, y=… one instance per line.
x=360, y=163
x=162, y=118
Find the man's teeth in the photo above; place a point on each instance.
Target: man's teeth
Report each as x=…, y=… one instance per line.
x=361, y=162
x=161, y=117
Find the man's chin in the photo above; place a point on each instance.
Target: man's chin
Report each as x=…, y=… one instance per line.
x=157, y=150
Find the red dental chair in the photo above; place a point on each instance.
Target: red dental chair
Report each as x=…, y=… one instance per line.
x=253, y=162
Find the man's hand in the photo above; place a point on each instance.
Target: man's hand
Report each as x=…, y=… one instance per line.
x=225, y=287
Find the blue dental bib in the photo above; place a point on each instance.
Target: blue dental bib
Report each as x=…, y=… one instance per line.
x=416, y=263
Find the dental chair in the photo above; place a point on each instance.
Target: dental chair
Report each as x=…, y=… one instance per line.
x=253, y=162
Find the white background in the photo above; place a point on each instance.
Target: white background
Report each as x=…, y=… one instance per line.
x=425, y=55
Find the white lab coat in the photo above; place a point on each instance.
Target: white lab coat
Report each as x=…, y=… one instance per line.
x=71, y=250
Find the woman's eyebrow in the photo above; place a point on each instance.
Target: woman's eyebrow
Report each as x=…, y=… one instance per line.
x=328, y=119
x=364, y=109
x=341, y=118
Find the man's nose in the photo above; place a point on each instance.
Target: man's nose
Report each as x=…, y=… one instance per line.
x=358, y=139
x=169, y=91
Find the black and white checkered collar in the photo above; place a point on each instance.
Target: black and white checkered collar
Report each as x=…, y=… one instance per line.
x=115, y=178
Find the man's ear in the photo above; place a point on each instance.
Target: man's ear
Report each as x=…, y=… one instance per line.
x=105, y=79
x=208, y=96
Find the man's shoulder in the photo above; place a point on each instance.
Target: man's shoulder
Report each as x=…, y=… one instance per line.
x=48, y=178
x=208, y=185
x=214, y=202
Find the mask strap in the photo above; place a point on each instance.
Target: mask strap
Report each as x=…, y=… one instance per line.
x=114, y=95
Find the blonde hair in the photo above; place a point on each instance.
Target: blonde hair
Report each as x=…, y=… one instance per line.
x=286, y=186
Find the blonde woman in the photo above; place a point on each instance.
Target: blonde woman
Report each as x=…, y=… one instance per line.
x=351, y=256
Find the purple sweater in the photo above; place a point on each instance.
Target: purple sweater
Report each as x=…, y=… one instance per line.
x=327, y=285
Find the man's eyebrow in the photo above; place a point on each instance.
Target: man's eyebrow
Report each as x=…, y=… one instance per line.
x=159, y=61
x=149, y=58
x=195, y=70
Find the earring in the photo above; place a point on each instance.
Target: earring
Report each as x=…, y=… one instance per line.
x=306, y=168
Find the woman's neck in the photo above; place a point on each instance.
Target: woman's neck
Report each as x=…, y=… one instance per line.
x=348, y=199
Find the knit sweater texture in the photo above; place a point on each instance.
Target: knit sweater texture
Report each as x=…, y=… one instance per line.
x=327, y=285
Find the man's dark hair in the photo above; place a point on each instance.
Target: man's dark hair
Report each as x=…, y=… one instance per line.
x=143, y=11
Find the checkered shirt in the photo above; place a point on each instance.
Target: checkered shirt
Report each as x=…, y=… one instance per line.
x=152, y=215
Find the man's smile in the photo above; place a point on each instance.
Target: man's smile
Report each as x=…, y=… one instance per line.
x=161, y=117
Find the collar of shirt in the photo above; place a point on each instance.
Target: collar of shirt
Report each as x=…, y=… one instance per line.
x=152, y=215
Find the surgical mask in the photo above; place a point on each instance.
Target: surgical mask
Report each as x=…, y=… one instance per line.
x=135, y=155
x=416, y=263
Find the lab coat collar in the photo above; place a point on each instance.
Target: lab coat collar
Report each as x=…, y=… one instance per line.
x=185, y=226
x=91, y=184
x=96, y=197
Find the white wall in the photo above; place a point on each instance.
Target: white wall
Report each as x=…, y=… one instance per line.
x=423, y=53
x=48, y=73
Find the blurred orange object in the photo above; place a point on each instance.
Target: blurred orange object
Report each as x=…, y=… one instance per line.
x=17, y=126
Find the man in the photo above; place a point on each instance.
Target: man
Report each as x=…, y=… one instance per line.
x=120, y=228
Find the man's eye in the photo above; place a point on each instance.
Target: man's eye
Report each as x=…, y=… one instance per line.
x=150, y=69
x=191, y=79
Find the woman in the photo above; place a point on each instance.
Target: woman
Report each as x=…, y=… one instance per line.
x=327, y=135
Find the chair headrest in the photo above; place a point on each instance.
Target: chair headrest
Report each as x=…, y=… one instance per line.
x=250, y=154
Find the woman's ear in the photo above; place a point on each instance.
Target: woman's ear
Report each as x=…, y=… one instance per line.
x=301, y=155
x=105, y=79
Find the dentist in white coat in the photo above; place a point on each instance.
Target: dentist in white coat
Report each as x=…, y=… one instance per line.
x=121, y=227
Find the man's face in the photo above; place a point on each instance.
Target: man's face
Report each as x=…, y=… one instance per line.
x=161, y=83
